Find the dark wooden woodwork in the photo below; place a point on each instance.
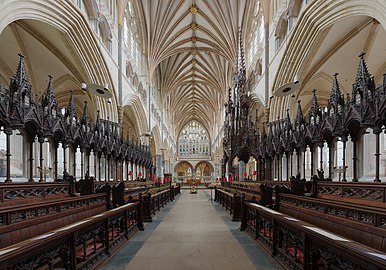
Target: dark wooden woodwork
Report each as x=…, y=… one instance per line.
x=118, y=192
x=343, y=117
x=24, y=193
x=25, y=221
x=44, y=120
x=360, y=223
x=299, y=245
x=8, y=132
x=371, y=194
x=83, y=245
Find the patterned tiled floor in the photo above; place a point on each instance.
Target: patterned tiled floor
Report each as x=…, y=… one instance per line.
x=191, y=233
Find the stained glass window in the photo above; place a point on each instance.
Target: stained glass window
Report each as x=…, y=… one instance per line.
x=193, y=140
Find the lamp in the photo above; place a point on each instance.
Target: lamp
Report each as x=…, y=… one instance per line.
x=296, y=79
x=288, y=88
x=97, y=90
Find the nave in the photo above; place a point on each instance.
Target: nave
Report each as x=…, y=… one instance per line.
x=192, y=233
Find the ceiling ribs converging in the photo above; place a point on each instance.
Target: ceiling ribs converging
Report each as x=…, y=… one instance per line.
x=193, y=44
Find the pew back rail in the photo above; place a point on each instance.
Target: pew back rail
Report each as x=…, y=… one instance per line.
x=82, y=245
x=299, y=245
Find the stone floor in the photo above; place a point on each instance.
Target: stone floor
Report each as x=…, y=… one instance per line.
x=191, y=233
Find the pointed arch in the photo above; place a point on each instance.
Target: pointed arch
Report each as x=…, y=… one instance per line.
x=156, y=137
x=65, y=17
x=310, y=29
x=134, y=103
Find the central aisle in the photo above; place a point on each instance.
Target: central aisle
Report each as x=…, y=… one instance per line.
x=193, y=235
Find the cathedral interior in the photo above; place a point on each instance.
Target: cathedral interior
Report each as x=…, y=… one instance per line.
x=193, y=134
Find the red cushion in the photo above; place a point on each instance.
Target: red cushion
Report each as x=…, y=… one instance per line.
x=115, y=234
x=300, y=254
x=130, y=222
x=79, y=253
x=98, y=245
x=266, y=232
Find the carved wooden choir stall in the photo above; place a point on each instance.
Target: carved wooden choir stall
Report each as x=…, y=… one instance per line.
x=45, y=121
x=314, y=224
x=344, y=117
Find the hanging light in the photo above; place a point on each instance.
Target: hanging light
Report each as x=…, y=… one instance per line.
x=97, y=90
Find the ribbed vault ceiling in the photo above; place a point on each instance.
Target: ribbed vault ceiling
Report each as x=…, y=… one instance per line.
x=193, y=44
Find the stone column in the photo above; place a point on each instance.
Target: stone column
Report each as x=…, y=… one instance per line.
x=8, y=132
x=120, y=66
x=241, y=170
x=41, y=159
x=166, y=167
x=158, y=165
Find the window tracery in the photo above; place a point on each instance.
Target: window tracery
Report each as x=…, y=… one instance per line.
x=256, y=42
x=131, y=37
x=193, y=140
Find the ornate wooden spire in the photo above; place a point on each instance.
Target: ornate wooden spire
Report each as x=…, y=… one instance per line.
x=336, y=97
x=71, y=111
x=20, y=86
x=86, y=116
x=288, y=124
x=49, y=99
x=363, y=73
x=364, y=82
x=21, y=73
x=257, y=132
x=299, y=116
x=315, y=111
x=335, y=91
x=240, y=54
x=98, y=123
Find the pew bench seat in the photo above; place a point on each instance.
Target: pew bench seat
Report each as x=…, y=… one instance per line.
x=21, y=223
x=360, y=223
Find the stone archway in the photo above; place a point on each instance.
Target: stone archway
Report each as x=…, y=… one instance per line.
x=204, y=171
x=184, y=171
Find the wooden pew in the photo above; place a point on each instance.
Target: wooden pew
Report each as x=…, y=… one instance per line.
x=371, y=194
x=86, y=244
x=353, y=210
x=152, y=202
x=231, y=197
x=230, y=201
x=364, y=224
x=13, y=194
x=299, y=245
x=21, y=222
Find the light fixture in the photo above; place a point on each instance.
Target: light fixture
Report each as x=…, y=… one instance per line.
x=97, y=90
x=296, y=79
x=288, y=88
x=146, y=134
